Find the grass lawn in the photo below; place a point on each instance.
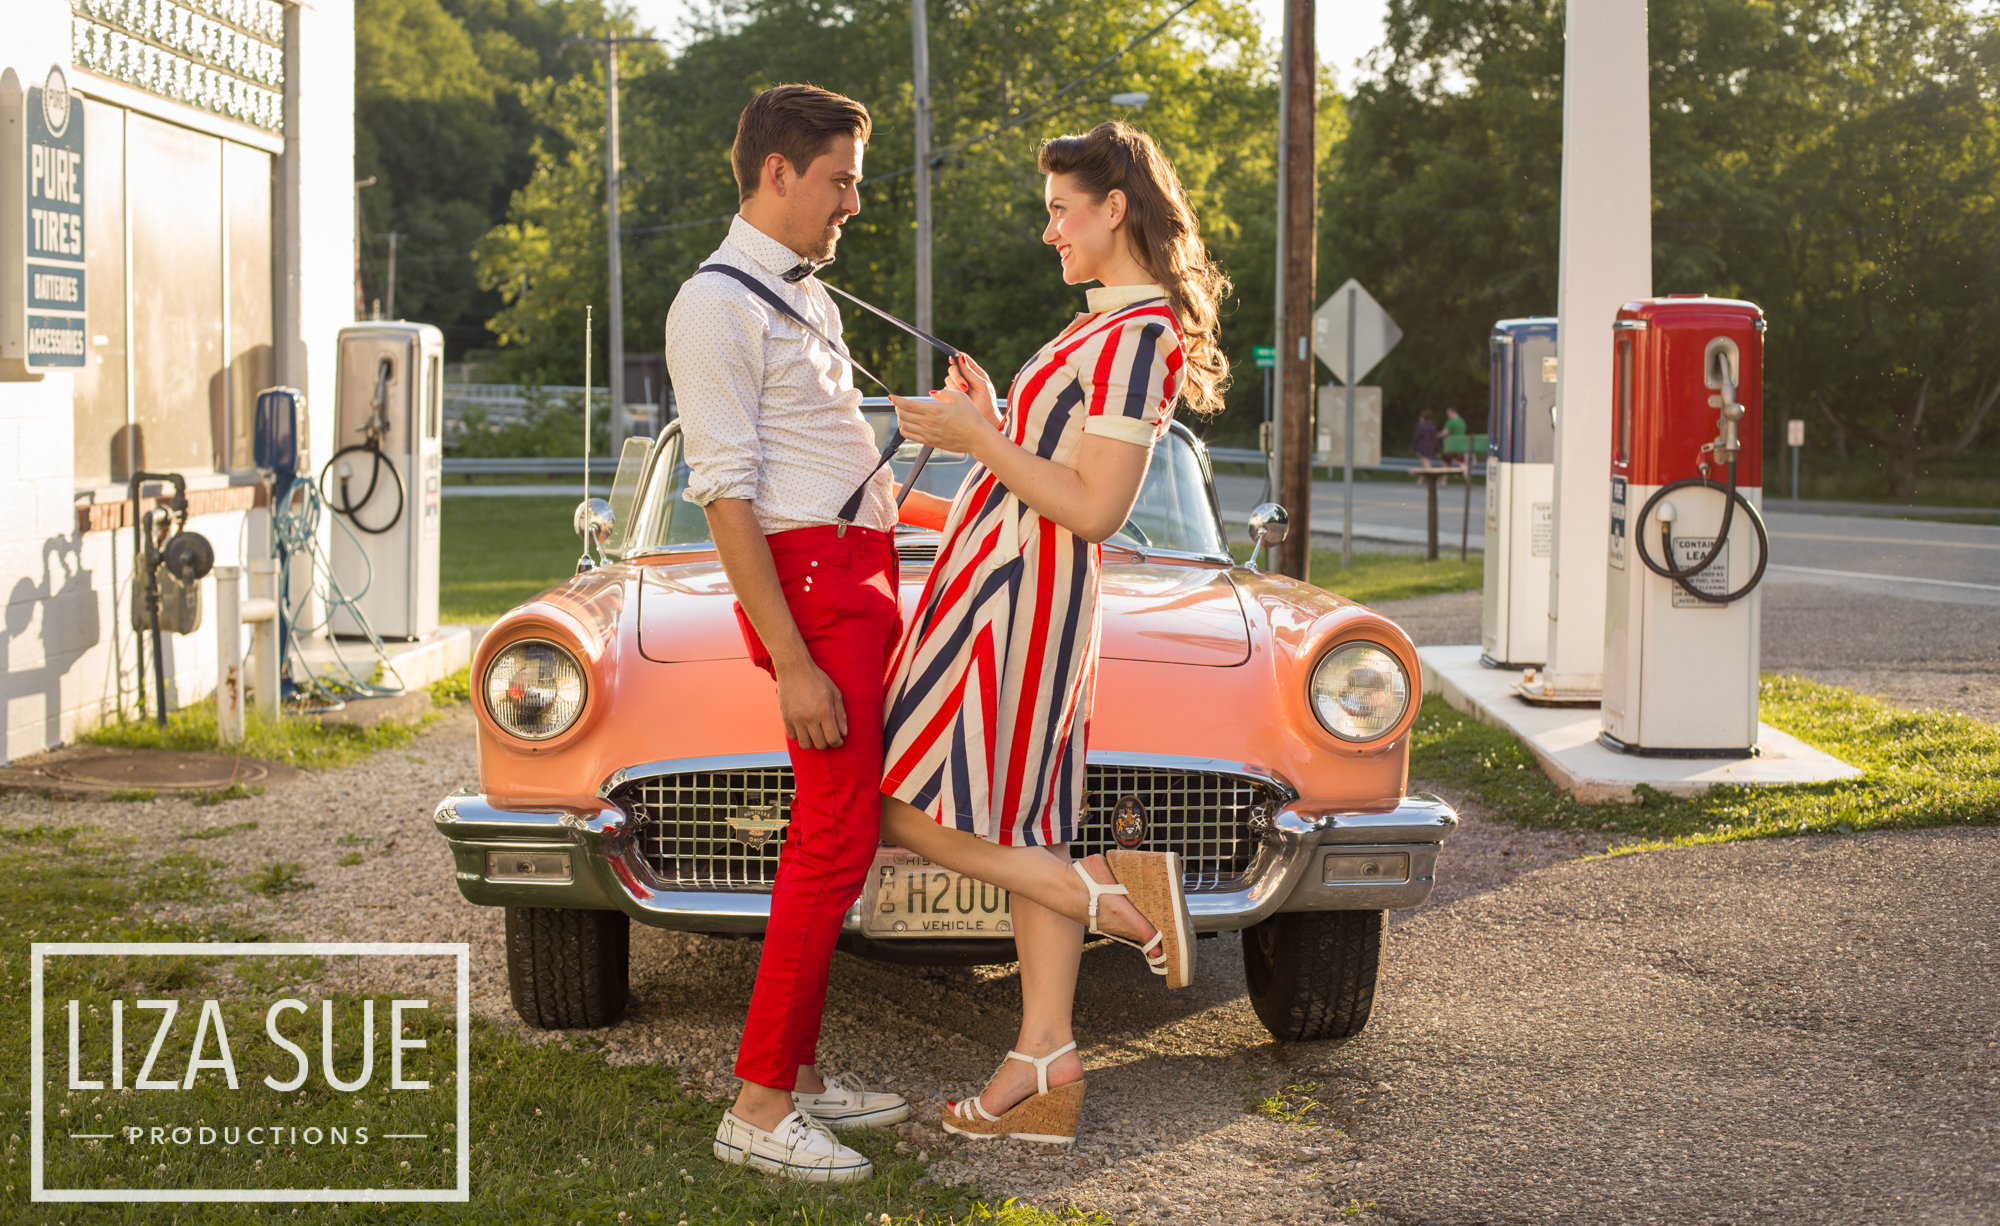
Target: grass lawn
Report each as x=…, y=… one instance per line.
x=557, y=1134
x=497, y=552
x=1922, y=768
x=1376, y=577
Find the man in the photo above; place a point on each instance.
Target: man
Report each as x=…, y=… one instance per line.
x=777, y=444
x=1425, y=441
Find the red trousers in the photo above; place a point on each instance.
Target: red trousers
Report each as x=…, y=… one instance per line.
x=842, y=593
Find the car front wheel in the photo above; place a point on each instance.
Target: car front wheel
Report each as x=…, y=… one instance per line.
x=1312, y=974
x=567, y=970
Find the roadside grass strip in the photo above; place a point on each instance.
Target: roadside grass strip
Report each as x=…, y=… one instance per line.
x=495, y=553
x=1920, y=768
x=296, y=740
x=558, y=1134
x=1376, y=577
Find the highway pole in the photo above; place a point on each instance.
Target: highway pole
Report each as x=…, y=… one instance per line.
x=1347, y=474
x=1295, y=358
x=920, y=46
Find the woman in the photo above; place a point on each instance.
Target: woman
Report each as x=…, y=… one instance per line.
x=990, y=697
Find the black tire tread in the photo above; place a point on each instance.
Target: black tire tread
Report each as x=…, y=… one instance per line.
x=568, y=970
x=1321, y=982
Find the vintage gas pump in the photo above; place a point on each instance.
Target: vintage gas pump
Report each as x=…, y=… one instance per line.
x=382, y=483
x=1520, y=491
x=1688, y=545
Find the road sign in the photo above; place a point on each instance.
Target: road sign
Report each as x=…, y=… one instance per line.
x=1375, y=334
x=1267, y=357
x=1795, y=433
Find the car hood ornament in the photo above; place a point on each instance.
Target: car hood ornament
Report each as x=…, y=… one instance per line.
x=756, y=825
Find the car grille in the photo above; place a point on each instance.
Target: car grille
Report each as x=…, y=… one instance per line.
x=684, y=830
x=917, y=553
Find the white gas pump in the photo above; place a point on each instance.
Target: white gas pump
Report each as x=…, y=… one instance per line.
x=1520, y=492
x=1687, y=545
x=383, y=482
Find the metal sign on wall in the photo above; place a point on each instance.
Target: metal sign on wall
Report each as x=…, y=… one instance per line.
x=42, y=291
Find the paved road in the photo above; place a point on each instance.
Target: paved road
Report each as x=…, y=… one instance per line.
x=1958, y=563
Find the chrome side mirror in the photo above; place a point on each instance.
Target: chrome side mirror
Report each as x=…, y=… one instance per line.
x=593, y=522
x=1268, y=526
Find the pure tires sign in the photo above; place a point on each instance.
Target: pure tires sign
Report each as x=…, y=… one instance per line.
x=41, y=254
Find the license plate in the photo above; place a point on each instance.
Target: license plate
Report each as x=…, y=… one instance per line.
x=908, y=896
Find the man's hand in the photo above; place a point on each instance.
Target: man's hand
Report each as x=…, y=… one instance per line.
x=810, y=705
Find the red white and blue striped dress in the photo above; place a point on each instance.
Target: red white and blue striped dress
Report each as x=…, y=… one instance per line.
x=989, y=698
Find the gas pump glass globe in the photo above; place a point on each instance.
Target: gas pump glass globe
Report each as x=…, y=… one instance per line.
x=534, y=690
x=1359, y=691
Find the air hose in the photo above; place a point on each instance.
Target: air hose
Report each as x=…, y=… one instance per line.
x=375, y=428
x=351, y=508
x=1683, y=575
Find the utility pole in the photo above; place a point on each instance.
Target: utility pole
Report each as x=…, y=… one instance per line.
x=360, y=295
x=1297, y=184
x=393, y=236
x=614, y=245
x=920, y=43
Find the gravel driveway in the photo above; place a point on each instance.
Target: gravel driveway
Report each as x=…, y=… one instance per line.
x=1800, y=1030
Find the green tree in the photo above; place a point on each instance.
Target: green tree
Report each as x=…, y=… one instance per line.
x=1212, y=107
x=1833, y=160
x=445, y=125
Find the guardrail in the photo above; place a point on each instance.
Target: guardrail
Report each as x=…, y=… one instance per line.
x=550, y=466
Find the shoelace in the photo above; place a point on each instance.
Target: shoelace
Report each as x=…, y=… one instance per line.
x=802, y=1133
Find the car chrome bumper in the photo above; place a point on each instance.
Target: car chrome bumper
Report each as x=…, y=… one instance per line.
x=1314, y=858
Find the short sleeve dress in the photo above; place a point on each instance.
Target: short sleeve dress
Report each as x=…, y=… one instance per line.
x=989, y=698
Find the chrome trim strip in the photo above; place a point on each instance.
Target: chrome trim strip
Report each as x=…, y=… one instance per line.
x=682, y=766
x=1629, y=325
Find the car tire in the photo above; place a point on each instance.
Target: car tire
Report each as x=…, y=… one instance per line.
x=568, y=970
x=1312, y=974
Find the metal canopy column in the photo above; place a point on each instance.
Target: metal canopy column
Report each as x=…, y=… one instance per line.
x=1606, y=260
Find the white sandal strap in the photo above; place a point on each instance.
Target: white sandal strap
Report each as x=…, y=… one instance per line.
x=1096, y=889
x=1042, y=1063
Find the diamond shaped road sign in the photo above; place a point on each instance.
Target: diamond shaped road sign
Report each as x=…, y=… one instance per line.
x=1375, y=334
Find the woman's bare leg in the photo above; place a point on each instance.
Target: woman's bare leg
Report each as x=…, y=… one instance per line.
x=1051, y=948
x=1028, y=873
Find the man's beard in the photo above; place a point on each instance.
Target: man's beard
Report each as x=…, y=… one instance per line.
x=829, y=238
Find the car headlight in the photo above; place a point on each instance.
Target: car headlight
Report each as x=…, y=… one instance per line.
x=1359, y=691
x=534, y=689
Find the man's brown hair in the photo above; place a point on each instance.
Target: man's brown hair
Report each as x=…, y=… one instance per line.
x=797, y=122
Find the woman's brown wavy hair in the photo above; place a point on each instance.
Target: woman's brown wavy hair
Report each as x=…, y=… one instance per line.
x=1165, y=235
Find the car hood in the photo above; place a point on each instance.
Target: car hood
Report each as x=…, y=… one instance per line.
x=1158, y=613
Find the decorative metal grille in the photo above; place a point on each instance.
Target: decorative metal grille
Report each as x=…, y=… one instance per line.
x=685, y=835
x=1203, y=816
x=917, y=553
x=225, y=56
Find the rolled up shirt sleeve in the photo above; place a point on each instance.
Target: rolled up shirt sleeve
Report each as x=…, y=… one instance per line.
x=715, y=357
x=1134, y=371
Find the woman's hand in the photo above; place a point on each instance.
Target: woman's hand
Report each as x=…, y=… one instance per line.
x=963, y=374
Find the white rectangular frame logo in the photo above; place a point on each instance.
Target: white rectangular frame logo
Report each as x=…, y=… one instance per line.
x=277, y=949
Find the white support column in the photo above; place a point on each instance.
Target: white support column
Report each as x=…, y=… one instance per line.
x=229, y=655
x=261, y=610
x=1606, y=260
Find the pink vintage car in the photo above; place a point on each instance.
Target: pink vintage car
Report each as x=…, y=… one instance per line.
x=632, y=763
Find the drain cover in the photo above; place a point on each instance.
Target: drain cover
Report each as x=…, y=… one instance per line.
x=106, y=767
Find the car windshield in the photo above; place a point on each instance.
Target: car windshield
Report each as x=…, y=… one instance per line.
x=1174, y=512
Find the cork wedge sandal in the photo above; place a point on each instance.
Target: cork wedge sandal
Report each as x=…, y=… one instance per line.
x=1152, y=880
x=1049, y=1116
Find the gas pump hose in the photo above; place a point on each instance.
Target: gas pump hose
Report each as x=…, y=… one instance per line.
x=349, y=509
x=1682, y=575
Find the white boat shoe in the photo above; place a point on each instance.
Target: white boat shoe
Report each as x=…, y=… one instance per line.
x=839, y=1107
x=799, y=1148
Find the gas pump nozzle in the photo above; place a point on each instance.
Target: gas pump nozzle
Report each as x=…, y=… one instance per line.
x=1719, y=371
x=377, y=425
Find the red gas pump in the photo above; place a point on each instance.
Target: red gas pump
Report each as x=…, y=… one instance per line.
x=1688, y=545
